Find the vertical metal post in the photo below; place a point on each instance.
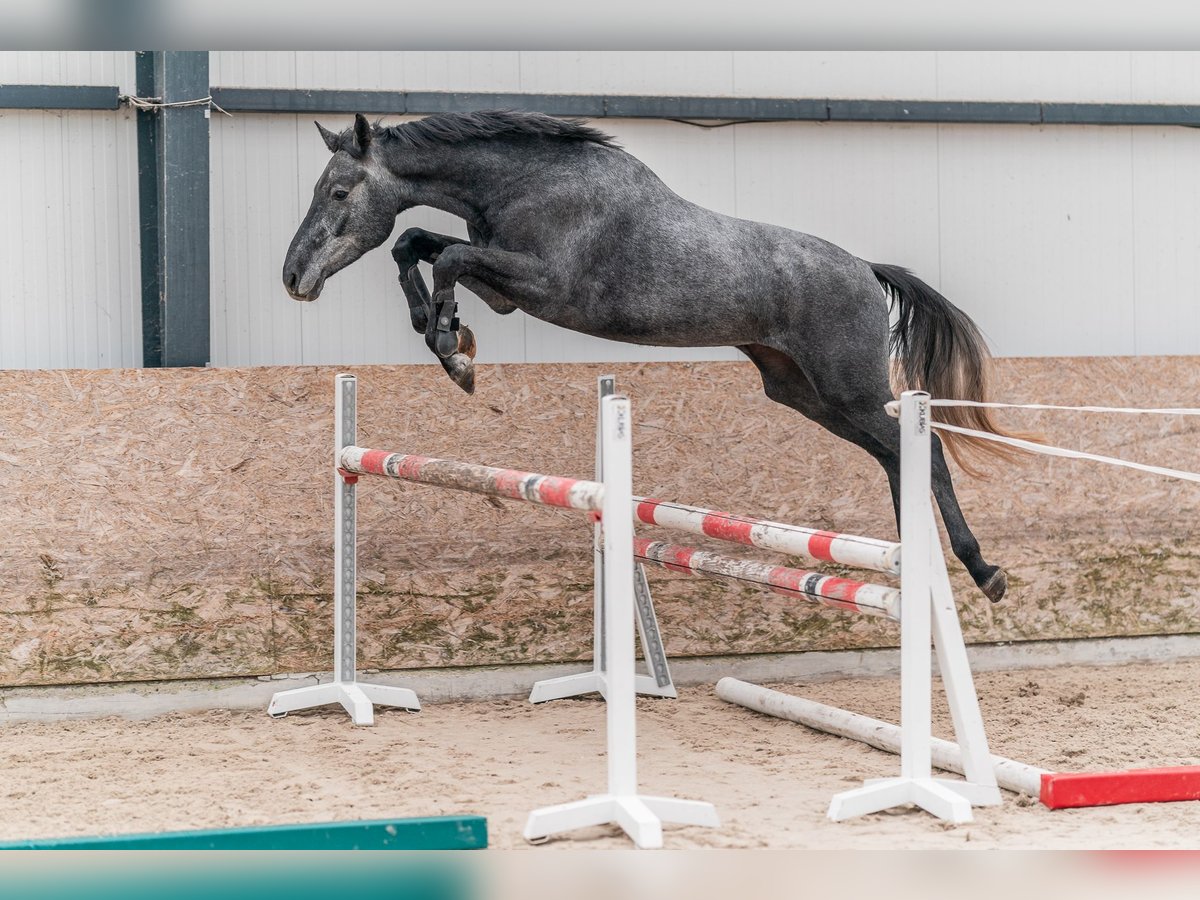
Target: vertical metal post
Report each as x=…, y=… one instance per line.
x=658, y=683
x=617, y=443
x=605, y=387
x=151, y=268
x=640, y=817
x=356, y=697
x=918, y=543
x=344, y=532
x=173, y=185
x=916, y=718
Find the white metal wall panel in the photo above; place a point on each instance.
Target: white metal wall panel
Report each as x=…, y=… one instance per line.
x=1165, y=76
x=69, y=67
x=551, y=71
x=263, y=68
x=858, y=74
x=398, y=70
x=1166, y=248
x=870, y=189
x=1036, y=231
x=1060, y=240
x=1034, y=75
x=69, y=240
x=686, y=72
x=255, y=201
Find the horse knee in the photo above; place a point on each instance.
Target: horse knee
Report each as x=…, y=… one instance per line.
x=403, y=251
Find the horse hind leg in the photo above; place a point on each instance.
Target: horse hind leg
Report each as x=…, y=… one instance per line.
x=871, y=420
x=868, y=426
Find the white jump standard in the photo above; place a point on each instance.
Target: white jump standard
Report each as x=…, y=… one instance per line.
x=640, y=816
x=658, y=682
x=356, y=697
x=927, y=612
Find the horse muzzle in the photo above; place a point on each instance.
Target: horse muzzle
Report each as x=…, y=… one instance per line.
x=295, y=287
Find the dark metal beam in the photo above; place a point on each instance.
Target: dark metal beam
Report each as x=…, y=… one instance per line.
x=173, y=168
x=267, y=100
x=747, y=109
x=1120, y=114
x=751, y=109
x=271, y=100
x=934, y=111
x=422, y=102
x=58, y=96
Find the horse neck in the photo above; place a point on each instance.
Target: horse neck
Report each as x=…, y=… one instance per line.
x=465, y=179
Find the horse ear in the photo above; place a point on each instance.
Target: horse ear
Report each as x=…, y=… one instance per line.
x=362, y=131
x=331, y=140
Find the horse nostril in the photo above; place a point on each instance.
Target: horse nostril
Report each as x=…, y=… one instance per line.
x=289, y=281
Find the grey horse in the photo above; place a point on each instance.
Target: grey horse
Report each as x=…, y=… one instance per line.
x=571, y=229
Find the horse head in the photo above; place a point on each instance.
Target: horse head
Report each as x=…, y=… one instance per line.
x=353, y=210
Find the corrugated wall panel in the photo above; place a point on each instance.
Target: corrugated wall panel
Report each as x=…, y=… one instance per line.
x=871, y=189
x=70, y=238
x=1028, y=75
x=694, y=72
x=981, y=211
x=1034, y=75
x=1166, y=246
x=1036, y=233
x=1161, y=76
x=411, y=70
x=69, y=67
x=256, y=201
x=875, y=74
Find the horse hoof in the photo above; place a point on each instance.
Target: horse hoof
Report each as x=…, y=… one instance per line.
x=461, y=371
x=466, y=341
x=995, y=587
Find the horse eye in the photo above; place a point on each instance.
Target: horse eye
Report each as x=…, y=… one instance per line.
x=340, y=195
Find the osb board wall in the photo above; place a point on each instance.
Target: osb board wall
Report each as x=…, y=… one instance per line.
x=177, y=523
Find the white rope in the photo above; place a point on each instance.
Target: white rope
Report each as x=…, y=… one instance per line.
x=154, y=103
x=1070, y=454
x=1182, y=411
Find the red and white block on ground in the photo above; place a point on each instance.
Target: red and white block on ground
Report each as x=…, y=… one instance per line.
x=1055, y=790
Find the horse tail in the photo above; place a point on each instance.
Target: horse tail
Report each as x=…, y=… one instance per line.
x=941, y=350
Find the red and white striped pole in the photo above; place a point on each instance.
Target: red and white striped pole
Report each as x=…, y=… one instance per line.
x=816, y=587
x=795, y=540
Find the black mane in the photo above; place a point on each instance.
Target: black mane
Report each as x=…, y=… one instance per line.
x=455, y=128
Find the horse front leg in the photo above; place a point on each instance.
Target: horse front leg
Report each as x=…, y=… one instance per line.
x=498, y=272
x=457, y=348
x=413, y=246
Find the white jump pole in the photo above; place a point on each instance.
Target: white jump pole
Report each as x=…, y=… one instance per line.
x=639, y=816
x=1011, y=775
x=355, y=696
